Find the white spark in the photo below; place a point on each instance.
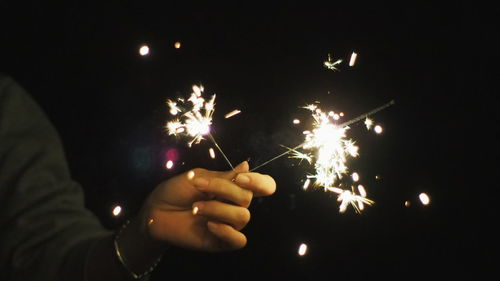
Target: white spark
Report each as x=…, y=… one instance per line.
x=424, y=198
x=302, y=249
x=117, y=210
x=194, y=121
x=144, y=50
x=330, y=64
x=352, y=61
x=232, y=113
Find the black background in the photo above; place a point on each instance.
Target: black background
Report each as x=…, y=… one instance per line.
x=80, y=61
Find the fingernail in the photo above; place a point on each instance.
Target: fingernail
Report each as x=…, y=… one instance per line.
x=200, y=182
x=241, y=166
x=242, y=179
x=197, y=208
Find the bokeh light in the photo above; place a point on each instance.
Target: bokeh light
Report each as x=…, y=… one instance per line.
x=117, y=210
x=144, y=50
x=302, y=249
x=424, y=198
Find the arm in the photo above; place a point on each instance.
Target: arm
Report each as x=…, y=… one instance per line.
x=47, y=234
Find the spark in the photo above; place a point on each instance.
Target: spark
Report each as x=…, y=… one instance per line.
x=144, y=50
x=195, y=118
x=355, y=176
x=424, y=198
x=407, y=203
x=212, y=153
x=329, y=149
x=348, y=197
x=117, y=210
x=194, y=121
x=378, y=129
x=332, y=147
x=306, y=184
x=368, y=123
x=177, y=45
x=330, y=64
x=296, y=121
x=302, y=249
x=196, y=210
x=232, y=113
x=352, y=61
x=169, y=164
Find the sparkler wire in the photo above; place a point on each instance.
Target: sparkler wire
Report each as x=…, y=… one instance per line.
x=220, y=150
x=352, y=121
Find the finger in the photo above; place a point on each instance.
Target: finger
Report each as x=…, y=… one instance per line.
x=224, y=189
x=259, y=184
x=243, y=167
x=230, y=237
x=236, y=216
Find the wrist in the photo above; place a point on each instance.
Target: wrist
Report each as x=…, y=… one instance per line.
x=137, y=252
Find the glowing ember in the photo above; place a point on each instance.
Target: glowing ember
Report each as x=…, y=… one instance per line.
x=424, y=198
x=144, y=50
x=232, y=113
x=177, y=45
x=169, y=164
x=352, y=61
x=212, y=153
x=355, y=177
x=302, y=249
x=195, y=121
x=117, y=210
x=306, y=184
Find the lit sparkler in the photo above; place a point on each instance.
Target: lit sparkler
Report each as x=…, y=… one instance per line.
x=194, y=119
x=329, y=149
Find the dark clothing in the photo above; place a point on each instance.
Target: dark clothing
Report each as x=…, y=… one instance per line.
x=45, y=229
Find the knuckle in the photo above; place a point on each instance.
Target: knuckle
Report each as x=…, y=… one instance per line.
x=247, y=198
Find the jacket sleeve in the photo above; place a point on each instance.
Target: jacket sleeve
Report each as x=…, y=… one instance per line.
x=45, y=229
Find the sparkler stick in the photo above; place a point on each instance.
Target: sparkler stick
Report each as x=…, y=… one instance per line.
x=352, y=121
x=220, y=150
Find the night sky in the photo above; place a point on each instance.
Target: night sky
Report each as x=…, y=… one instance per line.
x=80, y=62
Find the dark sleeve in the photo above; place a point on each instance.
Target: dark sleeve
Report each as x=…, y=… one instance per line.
x=45, y=229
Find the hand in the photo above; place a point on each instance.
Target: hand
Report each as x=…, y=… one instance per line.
x=204, y=210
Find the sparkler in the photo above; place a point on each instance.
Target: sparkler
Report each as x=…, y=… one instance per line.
x=329, y=149
x=194, y=120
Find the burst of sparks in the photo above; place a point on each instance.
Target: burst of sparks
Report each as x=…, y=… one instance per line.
x=331, y=148
x=330, y=64
x=194, y=120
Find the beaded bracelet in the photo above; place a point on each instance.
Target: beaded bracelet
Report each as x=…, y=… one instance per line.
x=132, y=274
